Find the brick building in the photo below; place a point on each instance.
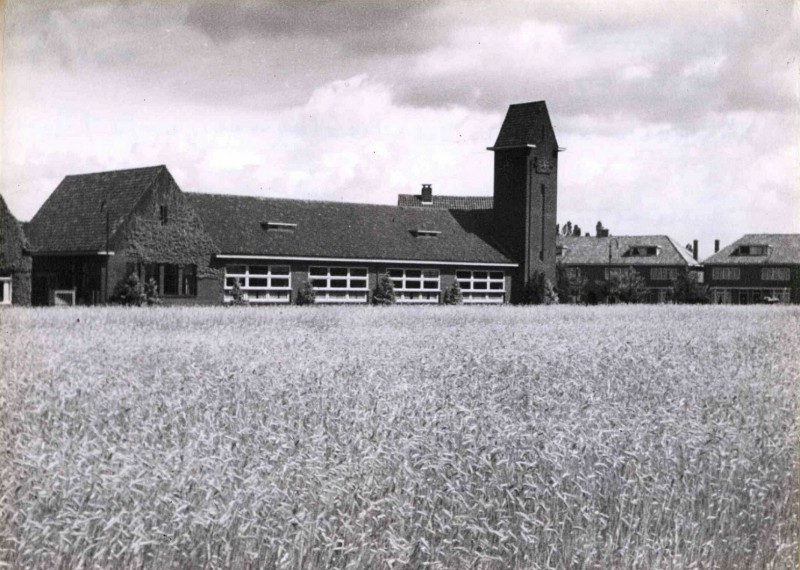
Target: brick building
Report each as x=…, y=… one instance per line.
x=15, y=261
x=657, y=258
x=96, y=229
x=756, y=268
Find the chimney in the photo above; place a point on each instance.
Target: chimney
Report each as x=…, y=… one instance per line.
x=716, y=245
x=694, y=249
x=427, y=194
x=601, y=231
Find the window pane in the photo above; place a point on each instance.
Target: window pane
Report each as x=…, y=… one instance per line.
x=258, y=282
x=358, y=283
x=413, y=285
x=280, y=269
x=338, y=282
x=416, y=273
x=318, y=271
x=236, y=269
x=259, y=270
x=480, y=285
x=431, y=273
x=339, y=271
x=463, y=274
x=496, y=275
x=319, y=282
x=431, y=285
x=480, y=275
x=170, y=279
x=395, y=273
x=280, y=282
x=496, y=285
x=358, y=271
x=231, y=281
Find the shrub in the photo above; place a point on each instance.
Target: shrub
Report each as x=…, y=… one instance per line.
x=129, y=291
x=539, y=290
x=238, y=295
x=688, y=289
x=151, y=295
x=306, y=294
x=627, y=286
x=570, y=290
x=384, y=291
x=453, y=294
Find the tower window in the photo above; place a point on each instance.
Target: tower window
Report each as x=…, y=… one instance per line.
x=162, y=214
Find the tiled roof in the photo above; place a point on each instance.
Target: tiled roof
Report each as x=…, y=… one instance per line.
x=447, y=202
x=74, y=216
x=12, y=241
x=594, y=251
x=345, y=230
x=783, y=249
x=523, y=124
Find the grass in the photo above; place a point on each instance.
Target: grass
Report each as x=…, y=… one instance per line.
x=448, y=437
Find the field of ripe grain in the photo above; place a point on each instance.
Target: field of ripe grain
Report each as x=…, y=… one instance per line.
x=447, y=437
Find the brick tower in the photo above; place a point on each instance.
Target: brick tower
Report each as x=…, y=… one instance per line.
x=526, y=191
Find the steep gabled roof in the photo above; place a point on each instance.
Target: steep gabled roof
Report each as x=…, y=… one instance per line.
x=447, y=202
x=525, y=124
x=587, y=250
x=73, y=219
x=238, y=225
x=783, y=249
x=13, y=244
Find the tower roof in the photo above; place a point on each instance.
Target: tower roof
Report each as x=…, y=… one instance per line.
x=525, y=124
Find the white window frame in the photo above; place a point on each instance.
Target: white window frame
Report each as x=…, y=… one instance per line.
x=269, y=293
x=663, y=274
x=6, y=284
x=775, y=274
x=726, y=274
x=468, y=278
x=422, y=294
x=347, y=294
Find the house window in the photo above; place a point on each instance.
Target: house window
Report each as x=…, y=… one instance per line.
x=613, y=272
x=172, y=280
x=339, y=284
x=573, y=273
x=259, y=283
x=643, y=251
x=775, y=274
x=663, y=274
x=726, y=274
x=482, y=286
x=752, y=250
x=5, y=290
x=415, y=285
x=162, y=214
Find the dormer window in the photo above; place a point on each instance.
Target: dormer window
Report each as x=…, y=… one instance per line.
x=561, y=250
x=279, y=226
x=752, y=250
x=643, y=251
x=426, y=233
x=163, y=214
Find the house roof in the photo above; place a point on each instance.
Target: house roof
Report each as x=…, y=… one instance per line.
x=13, y=244
x=783, y=249
x=345, y=230
x=73, y=219
x=447, y=202
x=523, y=125
x=588, y=250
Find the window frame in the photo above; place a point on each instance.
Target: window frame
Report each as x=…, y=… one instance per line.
x=423, y=294
x=334, y=294
x=776, y=274
x=7, y=288
x=663, y=273
x=488, y=295
x=257, y=294
x=726, y=273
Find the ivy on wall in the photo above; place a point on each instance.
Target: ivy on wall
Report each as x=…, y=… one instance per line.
x=13, y=257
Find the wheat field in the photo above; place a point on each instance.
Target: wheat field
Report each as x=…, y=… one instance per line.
x=641, y=437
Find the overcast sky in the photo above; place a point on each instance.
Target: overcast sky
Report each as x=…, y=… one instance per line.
x=679, y=117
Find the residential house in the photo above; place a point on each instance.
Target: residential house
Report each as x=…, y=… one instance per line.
x=15, y=261
x=756, y=268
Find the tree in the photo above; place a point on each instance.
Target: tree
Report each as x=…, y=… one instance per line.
x=626, y=286
x=453, y=294
x=686, y=288
x=567, y=231
x=129, y=291
x=576, y=231
x=539, y=290
x=570, y=289
x=306, y=294
x=384, y=291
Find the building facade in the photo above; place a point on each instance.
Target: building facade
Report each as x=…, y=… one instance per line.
x=756, y=268
x=15, y=261
x=95, y=230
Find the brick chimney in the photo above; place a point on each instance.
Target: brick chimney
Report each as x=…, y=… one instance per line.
x=427, y=194
x=601, y=231
x=716, y=245
x=694, y=249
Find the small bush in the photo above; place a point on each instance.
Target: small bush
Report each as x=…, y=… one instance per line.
x=539, y=290
x=129, y=291
x=384, y=291
x=453, y=294
x=238, y=295
x=306, y=294
x=151, y=295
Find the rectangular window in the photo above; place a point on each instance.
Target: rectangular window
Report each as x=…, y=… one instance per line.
x=775, y=274
x=663, y=274
x=415, y=285
x=259, y=283
x=162, y=214
x=725, y=274
x=339, y=284
x=481, y=286
x=170, y=279
x=5, y=290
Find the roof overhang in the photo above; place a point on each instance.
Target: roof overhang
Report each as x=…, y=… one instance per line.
x=363, y=260
x=69, y=253
x=509, y=147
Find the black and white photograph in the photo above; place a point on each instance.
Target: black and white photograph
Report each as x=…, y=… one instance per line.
x=400, y=284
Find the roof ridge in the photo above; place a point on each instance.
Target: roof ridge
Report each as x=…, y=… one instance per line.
x=308, y=200
x=155, y=166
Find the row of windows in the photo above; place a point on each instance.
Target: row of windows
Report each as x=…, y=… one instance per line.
x=273, y=284
x=171, y=279
x=735, y=274
x=750, y=296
